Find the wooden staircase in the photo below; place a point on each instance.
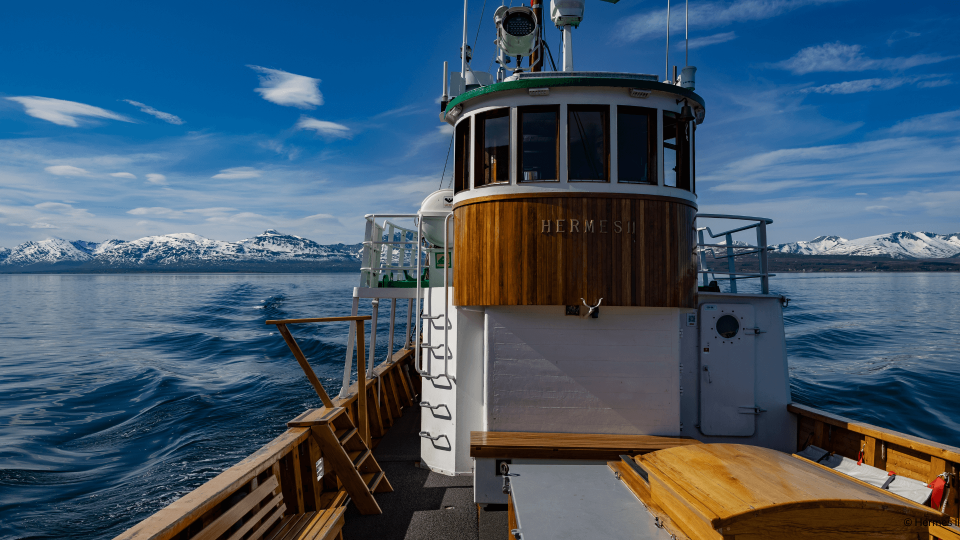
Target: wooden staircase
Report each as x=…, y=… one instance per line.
x=352, y=466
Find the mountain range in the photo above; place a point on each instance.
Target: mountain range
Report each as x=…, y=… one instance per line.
x=270, y=251
x=899, y=245
x=273, y=251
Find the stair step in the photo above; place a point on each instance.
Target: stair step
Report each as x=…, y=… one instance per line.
x=345, y=435
x=373, y=480
x=363, y=457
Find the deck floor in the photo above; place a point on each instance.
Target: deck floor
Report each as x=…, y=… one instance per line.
x=424, y=505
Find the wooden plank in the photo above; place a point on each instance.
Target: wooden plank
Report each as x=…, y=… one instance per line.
x=390, y=383
x=290, y=481
x=233, y=514
x=268, y=522
x=322, y=319
x=350, y=477
x=302, y=360
x=307, y=472
x=932, y=448
x=488, y=444
x=176, y=517
x=315, y=417
x=262, y=513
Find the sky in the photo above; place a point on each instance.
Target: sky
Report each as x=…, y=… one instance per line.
x=128, y=119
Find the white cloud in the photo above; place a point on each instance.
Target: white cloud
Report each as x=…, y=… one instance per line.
x=288, y=89
x=869, y=85
x=157, y=179
x=129, y=176
x=67, y=170
x=42, y=225
x=948, y=121
x=879, y=162
x=327, y=129
x=842, y=57
x=238, y=173
x=63, y=113
x=706, y=41
x=709, y=15
x=166, y=117
x=442, y=134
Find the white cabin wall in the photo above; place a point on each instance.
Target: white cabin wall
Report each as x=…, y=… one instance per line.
x=470, y=379
x=549, y=372
x=462, y=394
x=776, y=428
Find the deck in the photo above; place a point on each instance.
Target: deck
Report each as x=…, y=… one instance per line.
x=424, y=505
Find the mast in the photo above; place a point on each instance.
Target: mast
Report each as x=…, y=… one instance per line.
x=536, y=60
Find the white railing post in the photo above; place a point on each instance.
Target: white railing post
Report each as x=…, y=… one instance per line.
x=393, y=320
x=762, y=244
x=702, y=258
x=407, y=344
x=373, y=335
x=351, y=338
x=731, y=264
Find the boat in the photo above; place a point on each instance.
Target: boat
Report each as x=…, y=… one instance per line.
x=569, y=362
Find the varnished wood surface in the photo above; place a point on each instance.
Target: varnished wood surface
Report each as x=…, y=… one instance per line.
x=740, y=491
x=323, y=319
x=504, y=444
x=943, y=451
x=571, y=194
x=504, y=256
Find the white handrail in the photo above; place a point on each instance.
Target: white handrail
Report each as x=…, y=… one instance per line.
x=734, y=251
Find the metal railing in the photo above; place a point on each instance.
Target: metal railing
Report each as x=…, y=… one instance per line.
x=733, y=251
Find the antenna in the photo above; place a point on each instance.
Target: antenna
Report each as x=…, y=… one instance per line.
x=667, y=71
x=686, y=31
x=463, y=50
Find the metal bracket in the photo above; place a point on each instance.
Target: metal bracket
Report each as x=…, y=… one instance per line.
x=755, y=331
x=427, y=435
x=427, y=405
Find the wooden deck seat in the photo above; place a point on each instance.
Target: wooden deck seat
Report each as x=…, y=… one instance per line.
x=507, y=444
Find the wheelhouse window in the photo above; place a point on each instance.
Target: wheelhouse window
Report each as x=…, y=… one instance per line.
x=461, y=157
x=538, y=136
x=677, y=144
x=588, y=143
x=636, y=145
x=493, y=147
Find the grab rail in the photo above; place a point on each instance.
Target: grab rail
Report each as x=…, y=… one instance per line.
x=733, y=251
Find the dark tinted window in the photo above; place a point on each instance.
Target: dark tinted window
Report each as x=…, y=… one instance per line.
x=493, y=151
x=538, y=132
x=588, y=146
x=636, y=161
x=461, y=157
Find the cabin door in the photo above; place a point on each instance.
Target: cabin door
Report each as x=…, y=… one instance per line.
x=727, y=372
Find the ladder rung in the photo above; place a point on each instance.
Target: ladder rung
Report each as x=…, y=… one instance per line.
x=431, y=317
x=373, y=480
x=346, y=436
x=363, y=457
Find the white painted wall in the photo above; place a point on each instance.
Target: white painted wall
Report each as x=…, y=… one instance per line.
x=462, y=394
x=549, y=372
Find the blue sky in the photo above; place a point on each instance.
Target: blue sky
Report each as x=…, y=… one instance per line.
x=122, y=120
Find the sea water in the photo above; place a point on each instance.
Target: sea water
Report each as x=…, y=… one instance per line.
x=121, y=393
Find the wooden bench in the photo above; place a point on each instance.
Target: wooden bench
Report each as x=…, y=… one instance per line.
x=508, y=444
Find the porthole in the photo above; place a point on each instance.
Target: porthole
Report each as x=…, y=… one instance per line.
x=728, y=326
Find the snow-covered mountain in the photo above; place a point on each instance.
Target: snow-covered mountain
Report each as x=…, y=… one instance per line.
x=178, y=250
x=899, y=245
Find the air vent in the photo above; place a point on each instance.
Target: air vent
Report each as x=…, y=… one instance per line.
x=539, y=91
x=637, y=93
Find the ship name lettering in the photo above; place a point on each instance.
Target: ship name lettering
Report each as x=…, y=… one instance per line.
x=586, y=226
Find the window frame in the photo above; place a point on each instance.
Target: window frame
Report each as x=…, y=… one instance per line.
x=682, y=149
x=607, y=143
x=479, y=136
x=461, y=174
x=519, y=140
x=652, y=146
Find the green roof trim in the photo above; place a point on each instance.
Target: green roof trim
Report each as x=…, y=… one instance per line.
x=556, y=82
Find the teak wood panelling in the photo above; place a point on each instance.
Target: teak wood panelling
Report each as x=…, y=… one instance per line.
x=504, y=255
